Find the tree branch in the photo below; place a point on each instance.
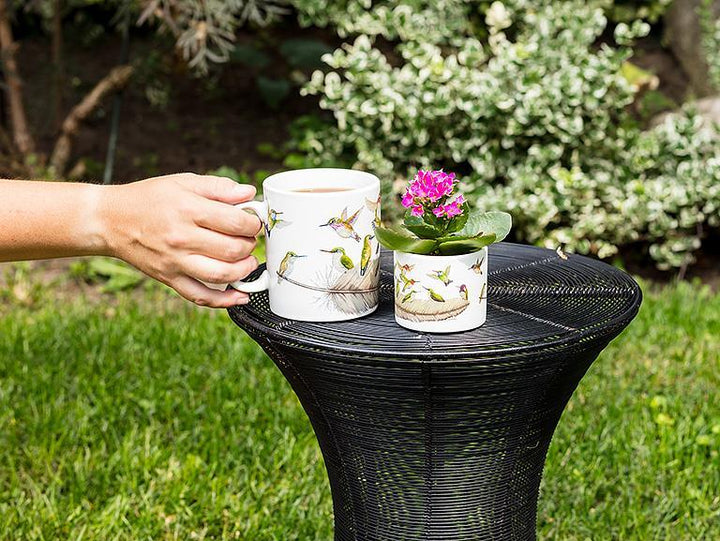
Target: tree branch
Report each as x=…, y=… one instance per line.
x=21, y=134
x=112, y=82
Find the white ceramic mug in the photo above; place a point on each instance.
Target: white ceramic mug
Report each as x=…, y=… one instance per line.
x=441, y=293
x=322, y=255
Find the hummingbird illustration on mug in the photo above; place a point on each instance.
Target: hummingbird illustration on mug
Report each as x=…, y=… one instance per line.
x=343, y=225
x=287, y=264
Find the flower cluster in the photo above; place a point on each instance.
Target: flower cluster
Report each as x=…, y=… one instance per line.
x=430, y=191
x=441, y=222
x=452, y=209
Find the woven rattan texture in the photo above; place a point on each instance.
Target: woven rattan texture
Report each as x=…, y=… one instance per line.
x=443, y=437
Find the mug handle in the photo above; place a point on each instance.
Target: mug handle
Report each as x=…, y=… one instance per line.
x=262, y=282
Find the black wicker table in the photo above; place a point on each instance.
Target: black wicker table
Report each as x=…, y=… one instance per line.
x=443, y=437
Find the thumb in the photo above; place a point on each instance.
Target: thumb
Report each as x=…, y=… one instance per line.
x=223, y=189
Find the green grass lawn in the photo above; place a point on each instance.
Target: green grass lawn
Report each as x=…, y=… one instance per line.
x=149, y=419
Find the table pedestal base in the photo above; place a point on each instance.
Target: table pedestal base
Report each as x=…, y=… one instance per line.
x=434, y=451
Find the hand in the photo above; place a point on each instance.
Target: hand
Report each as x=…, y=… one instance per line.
x=181, y=229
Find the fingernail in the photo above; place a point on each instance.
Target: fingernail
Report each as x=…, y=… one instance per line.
x=243, y=300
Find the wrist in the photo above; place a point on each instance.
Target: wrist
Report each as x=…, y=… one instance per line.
x=100, y=233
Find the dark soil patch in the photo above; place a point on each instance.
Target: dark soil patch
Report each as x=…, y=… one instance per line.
x=171, y=120
x=650, y=55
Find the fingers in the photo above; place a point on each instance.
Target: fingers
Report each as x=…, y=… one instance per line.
x=218, y=272
x=227, y=219
x=202, y=295
x=219, y=188
x=219, y=246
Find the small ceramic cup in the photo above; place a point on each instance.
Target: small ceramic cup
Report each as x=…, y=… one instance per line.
x=441, y=294
x=322, y=255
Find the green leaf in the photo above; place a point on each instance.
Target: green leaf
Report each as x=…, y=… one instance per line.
x=417, y=225
x=120, y=276
x=273, y=91
x=304, y=53
x=249, y=56
x=449, y=238
x=429, y=218
x=107, y=266
x=466, y=246
x=397, y=239
x=486, y=223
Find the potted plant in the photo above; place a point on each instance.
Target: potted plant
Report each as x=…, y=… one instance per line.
x=441, y=255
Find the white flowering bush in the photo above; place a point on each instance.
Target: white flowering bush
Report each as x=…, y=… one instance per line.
x=629, y=10
x=431, y=21
x=710, y=40
x=666, y=195
x=442, y=20
x=519, y=97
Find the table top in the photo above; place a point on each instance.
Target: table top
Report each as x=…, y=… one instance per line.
x=537, y=300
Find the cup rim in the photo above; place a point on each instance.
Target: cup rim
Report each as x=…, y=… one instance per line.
x=440, y=259
x=366, y=181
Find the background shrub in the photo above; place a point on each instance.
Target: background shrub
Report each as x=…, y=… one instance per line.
x=528, y=100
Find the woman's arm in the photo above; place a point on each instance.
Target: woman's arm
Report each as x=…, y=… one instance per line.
x=178, y=229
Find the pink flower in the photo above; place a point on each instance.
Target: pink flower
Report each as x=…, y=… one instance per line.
x=407, y=200
x=439, y=211
x=430, y=190
x=452, y=209
x=433, y=185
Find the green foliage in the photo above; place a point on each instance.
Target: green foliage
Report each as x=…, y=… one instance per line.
x=234, y=174
x=543, y=96
x=672, y=195
x=205, y=31
x=17, y=285
x=710, y=39
x=396, y=238
x=464, y=234
x=270, y=150
x=273, y=91
x=525, y=100
x=432, y=21
x=304, y=53
x=484, y=223
x=304, y=133
x=664, y=196
x=459, y=245
x=653, y=102
x=113, y=274
x=439, y=21
x=630, y=10
x=136, y=418
x=300, y=55
x=639, y=427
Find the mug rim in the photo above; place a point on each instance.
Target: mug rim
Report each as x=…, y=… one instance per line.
x=371, y=182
